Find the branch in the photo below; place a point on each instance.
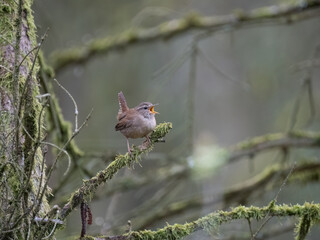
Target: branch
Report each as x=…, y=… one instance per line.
x=90, y=186
x=63, y=128
x=211, y=222
x=151, y=177
x=272, y=232
x=175, y=28
x=276, y=140
x=240, y=193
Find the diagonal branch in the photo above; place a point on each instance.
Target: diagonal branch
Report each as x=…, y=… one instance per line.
x=177, y=27
x=88, y=187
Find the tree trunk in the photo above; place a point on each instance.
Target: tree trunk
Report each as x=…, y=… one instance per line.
x=22, y=170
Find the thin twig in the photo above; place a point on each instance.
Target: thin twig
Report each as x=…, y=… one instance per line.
x=64, y=151
x=59, y=154
x=191, y=96
x=25, y=57
x=215, y=69
x=54, y=226
x=250, y=227
x=76, y=112
x=274, y=201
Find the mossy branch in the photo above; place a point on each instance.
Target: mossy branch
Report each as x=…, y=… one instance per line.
x=88, y=187
x=211, y=222
x=275, y=140
x=174, y=28
x=240, y=193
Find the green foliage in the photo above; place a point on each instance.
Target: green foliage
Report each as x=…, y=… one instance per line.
x=308, y=217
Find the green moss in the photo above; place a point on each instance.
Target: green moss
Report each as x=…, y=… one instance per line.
x=310, y=215
x=30, y=23
x=278, y=136
x=303, y=228
x=19, y=184
x=305, y=134
x=258, y=140
x=239, y=14
x=100, y=44
x=193, y=19
x=74, y=54
x=160, y=131
x=13, y=180
x=6, y=9
x=170, y=232
x=6, y=24
x=86, y=191
x=262, y=12
x=44, y=66
x=129, y=36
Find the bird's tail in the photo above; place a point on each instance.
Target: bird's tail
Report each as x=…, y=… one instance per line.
x=122, y=103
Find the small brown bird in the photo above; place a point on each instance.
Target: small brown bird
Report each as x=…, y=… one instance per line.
x=135, y=122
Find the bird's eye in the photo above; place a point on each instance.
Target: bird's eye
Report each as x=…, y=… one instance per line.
x=145, y=108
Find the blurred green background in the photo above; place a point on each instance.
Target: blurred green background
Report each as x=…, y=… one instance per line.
x=245, y=87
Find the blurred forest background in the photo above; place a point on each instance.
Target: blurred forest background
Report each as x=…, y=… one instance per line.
x=240, y=82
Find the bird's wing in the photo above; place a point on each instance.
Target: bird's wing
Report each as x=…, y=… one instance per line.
x=122, y=103
x=121, y=125
x=124, y=121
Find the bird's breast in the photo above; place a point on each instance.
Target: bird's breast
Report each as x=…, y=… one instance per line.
x=140, y=128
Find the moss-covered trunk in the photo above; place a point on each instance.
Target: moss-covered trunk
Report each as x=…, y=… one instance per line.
x=22, y=172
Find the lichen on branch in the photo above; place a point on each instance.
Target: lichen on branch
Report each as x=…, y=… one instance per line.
x=88, y=188
x=274, y=140
x=177, y=27
x=211, y=222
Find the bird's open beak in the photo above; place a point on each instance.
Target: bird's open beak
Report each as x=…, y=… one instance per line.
x=152, y=109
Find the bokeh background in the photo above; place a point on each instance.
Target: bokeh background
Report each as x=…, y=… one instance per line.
x=245, y=86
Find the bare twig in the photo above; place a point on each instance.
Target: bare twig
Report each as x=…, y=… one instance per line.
x=58, y=156
x=40, y=220
x=215, y=69
x=56, y=221
x=191, y=96
x=62, y=150
x=306, y=86
x=173, y=64
x=25, y=57
x=273, y=202
x=76, y=112
x=250, y=227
